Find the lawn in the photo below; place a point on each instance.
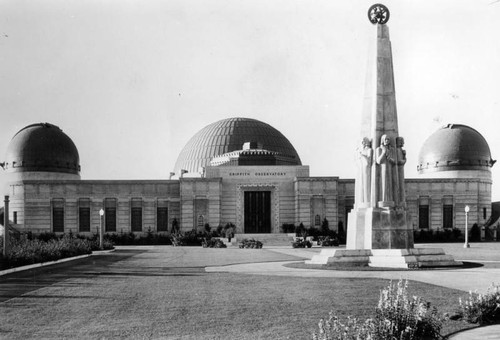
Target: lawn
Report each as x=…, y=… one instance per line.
x=164, y=292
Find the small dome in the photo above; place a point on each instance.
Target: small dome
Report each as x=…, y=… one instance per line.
x=42, y=147
x=229, y=135
x=454, y=147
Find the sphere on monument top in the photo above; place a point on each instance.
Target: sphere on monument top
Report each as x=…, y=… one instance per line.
x=42, y=151
x=229, y=135
x=455, y=151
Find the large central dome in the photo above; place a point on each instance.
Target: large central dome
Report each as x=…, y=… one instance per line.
x=229, y=135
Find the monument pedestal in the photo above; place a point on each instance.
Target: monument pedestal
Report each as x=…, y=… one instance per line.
x=385, y=258
x=382, y=237
x=379, y=228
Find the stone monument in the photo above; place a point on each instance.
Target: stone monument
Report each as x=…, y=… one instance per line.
x=380, y=231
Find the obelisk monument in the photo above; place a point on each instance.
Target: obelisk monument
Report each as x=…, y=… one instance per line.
x=379, y=231
x=379, y=219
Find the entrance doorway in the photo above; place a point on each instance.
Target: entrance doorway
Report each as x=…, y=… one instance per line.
x=257, y=212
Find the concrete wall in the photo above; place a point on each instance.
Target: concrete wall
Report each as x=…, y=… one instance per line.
x=32, y=200
x=295, y=198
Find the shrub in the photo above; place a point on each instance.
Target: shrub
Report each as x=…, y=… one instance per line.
x=397, y=316
x=332, y=328
x=341, y=233
x=325, y=228
x=481, y=308
x=250, y=243
x=475, y=233
x=288, y=228
x=213, y=243
x=190, y=238
x=327, y=241
x=24, y=252
x=218, y=232
x=301, y=243
x=229, y=230
x=314, y=232
x=301, y=231
x=401, y=317
x=207, y=228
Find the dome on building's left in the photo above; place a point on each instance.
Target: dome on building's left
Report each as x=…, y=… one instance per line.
x=42, y=147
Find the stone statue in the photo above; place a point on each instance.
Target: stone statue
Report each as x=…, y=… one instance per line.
x=401, y=161
x=386, y=158
x=365, y=157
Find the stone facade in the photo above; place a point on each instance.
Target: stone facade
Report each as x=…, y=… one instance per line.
x=295, y=197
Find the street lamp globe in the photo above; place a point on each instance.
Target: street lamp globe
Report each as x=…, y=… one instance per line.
x=466, y=244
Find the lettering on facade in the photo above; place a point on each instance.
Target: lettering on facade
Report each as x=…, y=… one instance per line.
x=257, y=174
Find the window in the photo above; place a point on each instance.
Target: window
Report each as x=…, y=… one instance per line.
x=136, y=214
x=110, y=214
x=84, y=215
x=447, y=216
x=58, y=215
x=484, y=213
x=317, y=220
x=200, y=222
x=15, y=217
x=162, y=216
x=423, y=216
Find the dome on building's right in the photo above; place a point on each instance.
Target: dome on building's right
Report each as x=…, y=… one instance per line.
x=454, y=147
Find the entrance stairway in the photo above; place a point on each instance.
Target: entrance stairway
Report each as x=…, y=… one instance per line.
x=268, y=240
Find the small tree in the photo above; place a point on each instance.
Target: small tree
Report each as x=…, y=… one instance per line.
x=325, y=228
x=475, y=233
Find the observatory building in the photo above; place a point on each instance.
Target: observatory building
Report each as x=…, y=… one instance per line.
x=237, y=170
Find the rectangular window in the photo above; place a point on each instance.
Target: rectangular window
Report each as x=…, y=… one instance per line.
x=110, y=214
x=58, y=215
x=84, y=215
x=484, y=213
x=423, y=216
x=317, y=220
x=15, y=217
x=447, y=216
x=162, y=216
x=136, y=214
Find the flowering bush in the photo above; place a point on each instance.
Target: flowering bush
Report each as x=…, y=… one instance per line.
x=327, y=241
x=333, y=329
x=189, y=238
x=213, y=243
x=402, y=317
x=301, y=243
x=22, y=252
x=481, y=308
x=397, y=316
x=254, y=244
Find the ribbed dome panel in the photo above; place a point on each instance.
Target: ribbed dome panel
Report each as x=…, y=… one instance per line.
x=229, y=135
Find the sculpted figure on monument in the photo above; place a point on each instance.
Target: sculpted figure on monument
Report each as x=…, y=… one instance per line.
x=386, y=158
x=365, y=157
x=401, y=161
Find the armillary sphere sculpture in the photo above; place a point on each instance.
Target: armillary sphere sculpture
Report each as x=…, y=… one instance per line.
x=378, y=14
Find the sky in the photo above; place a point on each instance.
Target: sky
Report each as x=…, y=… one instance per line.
x=132, y=81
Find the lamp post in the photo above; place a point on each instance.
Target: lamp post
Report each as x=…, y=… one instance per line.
x=6, y=240
x=101, y=236
x=466, y=244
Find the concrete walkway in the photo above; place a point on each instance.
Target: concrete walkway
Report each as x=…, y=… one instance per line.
x=470, y=279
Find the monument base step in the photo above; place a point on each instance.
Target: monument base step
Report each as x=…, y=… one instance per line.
x=385, y=258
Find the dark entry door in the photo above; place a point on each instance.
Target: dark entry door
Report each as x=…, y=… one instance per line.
x=257, y=212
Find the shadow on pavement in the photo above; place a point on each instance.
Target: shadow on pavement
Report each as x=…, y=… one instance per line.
x=16, y=284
